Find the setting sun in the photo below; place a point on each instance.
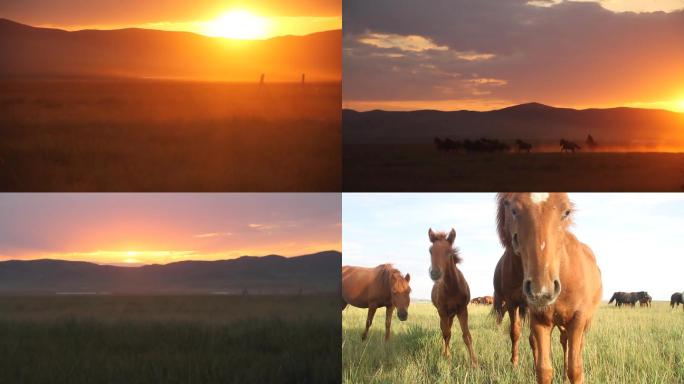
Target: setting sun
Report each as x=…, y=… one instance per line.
x=238, y=24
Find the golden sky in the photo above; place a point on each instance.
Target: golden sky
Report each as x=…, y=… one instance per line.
x=134, y=229
x=229, y=18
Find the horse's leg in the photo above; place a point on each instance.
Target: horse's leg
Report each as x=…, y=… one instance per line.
x=445, y=324
x=515, y=334
x=542, y=339
x=575, y=344
x=564, y=343
x=465, y=331
x=369, y=321
x=388, y=321
x=533, y=347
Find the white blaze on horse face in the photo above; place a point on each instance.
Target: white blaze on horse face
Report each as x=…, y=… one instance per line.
x=539, y=197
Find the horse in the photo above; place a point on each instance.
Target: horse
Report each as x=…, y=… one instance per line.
x=488, y=300
x=677, y=298
x=373, y=288
x=450, y=292
x=591, y=143
x=561, y=282
x=617, y=298
x=643, y=298
x=523, y=146
x=569, y=146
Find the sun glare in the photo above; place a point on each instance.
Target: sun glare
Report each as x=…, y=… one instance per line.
x=238, y=24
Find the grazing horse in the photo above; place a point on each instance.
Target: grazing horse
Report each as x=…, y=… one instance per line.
x=645, y=301
x=569, y=146
x=523, y=146
x=373, y=288
x=677, y=298
x=561, y=282
x=450, y=292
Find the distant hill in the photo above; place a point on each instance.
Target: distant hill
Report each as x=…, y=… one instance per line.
x=318, y=272
x=44, y=52
x=531, y=121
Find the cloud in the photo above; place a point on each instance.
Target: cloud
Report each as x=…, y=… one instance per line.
x=411, y=43
x=213, y=234
x=568, y=54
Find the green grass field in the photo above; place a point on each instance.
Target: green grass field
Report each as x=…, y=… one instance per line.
x=169, y=339
x=627, y=345
x=419, y=167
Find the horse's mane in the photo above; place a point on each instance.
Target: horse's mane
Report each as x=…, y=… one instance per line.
x=454, y=250
x=386, y=273
x=504, y=237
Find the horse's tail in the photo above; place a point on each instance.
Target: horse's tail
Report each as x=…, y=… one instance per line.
x=612, y=298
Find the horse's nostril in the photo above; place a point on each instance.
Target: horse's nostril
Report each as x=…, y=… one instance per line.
x=556, y=287
x=527, y=287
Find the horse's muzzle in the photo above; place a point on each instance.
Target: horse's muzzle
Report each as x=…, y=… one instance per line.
x=402, y=315
x=435, y=274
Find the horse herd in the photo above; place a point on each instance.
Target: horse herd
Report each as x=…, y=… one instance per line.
x=545, y=274
x=485, y=145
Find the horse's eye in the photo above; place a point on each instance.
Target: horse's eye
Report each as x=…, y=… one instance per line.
x=514, y=212
x=566, y=213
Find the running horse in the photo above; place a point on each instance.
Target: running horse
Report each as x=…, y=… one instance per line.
x=373, y=288
x=450, y=292
x=561, y=282
x=569, y=146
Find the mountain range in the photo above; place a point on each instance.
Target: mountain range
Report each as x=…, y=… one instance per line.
x=318, y=272
x=530, y=122
x=144, y=53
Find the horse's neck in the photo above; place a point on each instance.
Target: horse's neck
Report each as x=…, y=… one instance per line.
x=451, y=277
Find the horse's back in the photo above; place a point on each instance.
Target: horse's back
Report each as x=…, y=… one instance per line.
x=360, y=285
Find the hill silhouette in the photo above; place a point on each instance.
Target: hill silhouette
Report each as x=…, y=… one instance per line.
x=143, y=53
x=530, y=121
x=318, y=272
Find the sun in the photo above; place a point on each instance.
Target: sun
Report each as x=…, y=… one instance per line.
x=238, y=24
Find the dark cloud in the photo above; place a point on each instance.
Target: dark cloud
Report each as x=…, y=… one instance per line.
x=572, y=53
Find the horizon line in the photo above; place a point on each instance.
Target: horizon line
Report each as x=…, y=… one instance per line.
x=120, y=28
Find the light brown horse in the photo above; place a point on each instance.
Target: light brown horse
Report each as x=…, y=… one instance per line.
x=373, y=288
x=450, y=292
x=561, y=281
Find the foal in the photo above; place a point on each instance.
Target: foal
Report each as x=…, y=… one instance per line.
x=450, y=293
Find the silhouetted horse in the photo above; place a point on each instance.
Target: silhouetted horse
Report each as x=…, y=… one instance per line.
x=447, y=144
x=523, y=146
x=450, y=292
x=569, y=146
x=677, y=298
x=591, y=143
x=485, y=145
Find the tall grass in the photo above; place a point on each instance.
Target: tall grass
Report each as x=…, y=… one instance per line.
x=169, y=339
x=169, y=136
x=628, y=345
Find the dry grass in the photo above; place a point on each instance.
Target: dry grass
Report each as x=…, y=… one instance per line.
x=168, y=136
x=413, y=167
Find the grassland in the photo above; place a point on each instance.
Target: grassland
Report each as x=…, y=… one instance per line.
x=627, y=345
x=417, y=167
x=149, y=135
x=169, y=339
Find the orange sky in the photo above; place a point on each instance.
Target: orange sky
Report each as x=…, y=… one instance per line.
x=133, y=229
x=228, y=18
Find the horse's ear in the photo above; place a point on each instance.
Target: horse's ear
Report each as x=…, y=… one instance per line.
x=431, y=235
x=452, y=236
x=407, y=277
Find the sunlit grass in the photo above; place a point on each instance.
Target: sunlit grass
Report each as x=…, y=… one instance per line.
x=629, y=345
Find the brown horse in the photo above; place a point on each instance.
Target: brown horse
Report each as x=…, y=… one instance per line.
x=561, y=281
x=373, y=288
x=450, y=292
